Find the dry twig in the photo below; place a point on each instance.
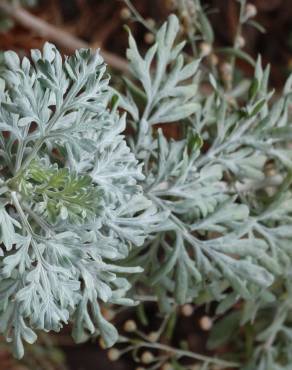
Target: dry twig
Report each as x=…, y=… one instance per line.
x=65, y=40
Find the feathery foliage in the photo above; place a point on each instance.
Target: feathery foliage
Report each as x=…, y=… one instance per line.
x=225, y=187
x=71, y=207
x=210, y=211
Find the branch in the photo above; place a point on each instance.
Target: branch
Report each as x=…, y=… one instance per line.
x=178, y=353
x=64, y=39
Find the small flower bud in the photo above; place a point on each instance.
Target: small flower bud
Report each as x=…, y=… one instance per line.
x=187, y=310
x=184, y=14
x=240, y=42
x=149, y=38
x=226, y=70
x=150, y=22
x=206, y=323
x=250, y=11
x=153, y=336
x=125, y=13
x=167, y=366
x=214, y=59
x=130, y=326
x=205, y=49
x=113, y=354
x=147, y=357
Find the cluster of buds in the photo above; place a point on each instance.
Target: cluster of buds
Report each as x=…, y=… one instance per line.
x=149, y=37
x=147, y=358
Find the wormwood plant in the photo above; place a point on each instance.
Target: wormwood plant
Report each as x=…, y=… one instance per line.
x=71, y=207
x=210, y=211
x=226, y=188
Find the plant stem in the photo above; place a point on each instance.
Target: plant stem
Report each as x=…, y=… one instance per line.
x=138, y=16
x=178, y=353
x=235, y=43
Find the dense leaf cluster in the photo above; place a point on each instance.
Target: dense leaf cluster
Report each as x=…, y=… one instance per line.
x=225, y=187
x=71, y=206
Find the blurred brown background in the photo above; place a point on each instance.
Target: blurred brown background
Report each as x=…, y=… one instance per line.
x=99, y=23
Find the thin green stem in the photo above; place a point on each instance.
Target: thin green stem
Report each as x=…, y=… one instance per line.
x=179, y=353
x=236, y=45
x=138, y=16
